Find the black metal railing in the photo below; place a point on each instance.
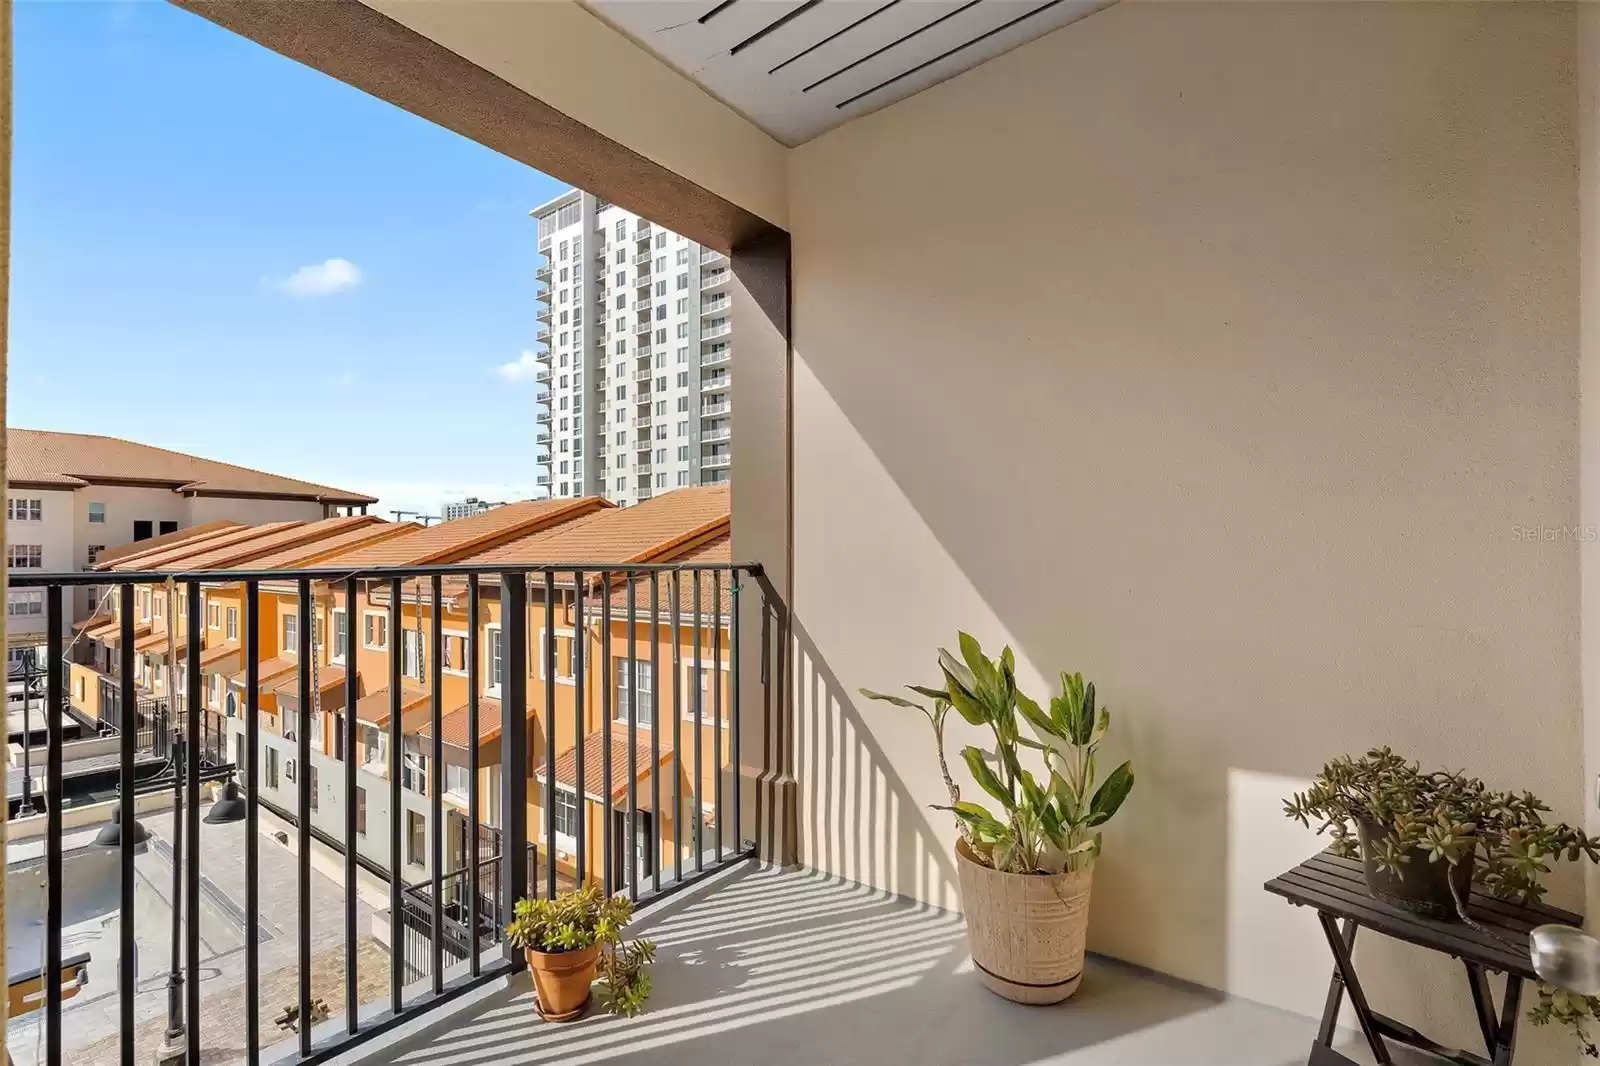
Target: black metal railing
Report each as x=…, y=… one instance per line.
x=444, y=930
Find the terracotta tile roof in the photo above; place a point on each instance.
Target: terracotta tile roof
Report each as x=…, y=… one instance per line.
x=628, y=534
x=594, y=747
x=712, y=552
x=373, y=708
x=313, y=554
x=451, y=541
x=165, y=540
x=177, y=556
x=209, y=656
x=302, y=537
x=157, y=642
x=35, y=456
x=328, y=676
x=271, y=670
x=453, y=726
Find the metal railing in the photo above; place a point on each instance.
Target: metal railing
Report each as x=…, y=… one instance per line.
x=712, y=279
x=711, y=410
x=647, y=627
x=716, y=382
x=713, y=332
x=717, y=357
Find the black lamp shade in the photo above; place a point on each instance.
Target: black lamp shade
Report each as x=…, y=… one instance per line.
x=110, y=835
x=229, y=806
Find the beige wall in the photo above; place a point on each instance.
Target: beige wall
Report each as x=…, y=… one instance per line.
x=1217, y=351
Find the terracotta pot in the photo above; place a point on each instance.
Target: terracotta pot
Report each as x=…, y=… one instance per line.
x=1026, y=932
x=561, y=980
x=1421, y=887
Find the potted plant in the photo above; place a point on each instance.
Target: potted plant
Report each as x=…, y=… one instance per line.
x=1425, y=839
x=1025, y=871
x=572, y=940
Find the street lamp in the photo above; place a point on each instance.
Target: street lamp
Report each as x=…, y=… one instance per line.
x=110, y=835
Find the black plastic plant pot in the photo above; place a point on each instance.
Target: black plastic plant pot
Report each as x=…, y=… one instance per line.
x=1421, y=887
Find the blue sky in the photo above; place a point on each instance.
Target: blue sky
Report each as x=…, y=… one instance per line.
x=217, y=250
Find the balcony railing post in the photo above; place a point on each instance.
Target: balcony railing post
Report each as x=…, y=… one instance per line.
x=306, y=651
x=127, y=702
x=191, y=816
x=397, y=757
x=514, y=749
x=55, y=689
x=252, y=823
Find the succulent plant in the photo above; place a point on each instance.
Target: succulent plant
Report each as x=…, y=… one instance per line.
x=576, y=920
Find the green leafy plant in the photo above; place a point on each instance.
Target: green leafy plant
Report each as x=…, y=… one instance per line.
x=1049, y=822
x=581, y=919
x=1452, y=818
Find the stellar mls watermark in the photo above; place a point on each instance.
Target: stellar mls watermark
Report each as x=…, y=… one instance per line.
x=1583, y=534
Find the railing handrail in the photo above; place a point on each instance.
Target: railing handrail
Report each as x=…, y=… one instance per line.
x=20, y=580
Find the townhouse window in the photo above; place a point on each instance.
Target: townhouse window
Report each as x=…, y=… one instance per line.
x=563, y=656
x=565, y=809
x=374, y=747
x=683, y=427
x=25, y=604
x=494, y=660
x=291, y=635
x=312, y=770
x=232, y=631
x=416, y=839
x=455, y=653
x=361, y=811
x=29, y=557
x=97, y=513
x=456, y=777
x=635, y=680
x=94, y=553
x=341, y=636
x=375, y=630
x=272, y=766
x=24, y=509
x=160, y=606
x=213, y=616
x=166, y=527
x=414, y=774
x=411, y=653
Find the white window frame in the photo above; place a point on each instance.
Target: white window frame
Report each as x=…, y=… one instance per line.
x=384, y=617
x=334, y=655
x=619, y=674
x=708, y=705
x=543, y=648
x=564, y=841
x=213, y=616
x=405, y=649
x=491, y=632
x=286, y=645
x=102, y=519
x=451, y=770
x=446, y=634
x=231, y=615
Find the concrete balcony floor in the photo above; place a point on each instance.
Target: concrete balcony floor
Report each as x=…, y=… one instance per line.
x=788, y=967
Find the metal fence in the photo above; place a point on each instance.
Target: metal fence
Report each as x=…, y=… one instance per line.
x=441, y=918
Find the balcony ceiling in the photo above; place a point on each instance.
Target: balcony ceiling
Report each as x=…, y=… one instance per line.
x=797, y=68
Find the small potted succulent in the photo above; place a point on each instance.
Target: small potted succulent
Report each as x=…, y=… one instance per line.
x=1025, y=869
x=572, y=940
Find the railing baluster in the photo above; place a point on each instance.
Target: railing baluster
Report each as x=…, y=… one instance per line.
x=677, y=731
x=716, y=704
x=580, y=639
x=305, y=650
x=252, y=823
x=699, y=706
x=655, y=732
x=55, y=691
x=473, y=814
x=514, y=749
x=734, y=753
x=435, y=782
x=607, y=839
x=191, y=816
x=397, y=952
x=128, y=710
x=632, y=843
x=550, y=732
x=766, y=714
x=352, y=620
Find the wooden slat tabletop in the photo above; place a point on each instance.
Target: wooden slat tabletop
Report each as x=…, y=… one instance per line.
x=1330, y=883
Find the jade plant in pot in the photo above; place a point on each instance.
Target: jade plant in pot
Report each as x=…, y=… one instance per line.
x=573, y=940
x=1024, y=867
x=1426, y=839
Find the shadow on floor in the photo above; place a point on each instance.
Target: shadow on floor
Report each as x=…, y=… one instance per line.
x=787, y=968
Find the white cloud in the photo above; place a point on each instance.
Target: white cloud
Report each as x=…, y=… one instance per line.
x=521, y=370
x=321, y=279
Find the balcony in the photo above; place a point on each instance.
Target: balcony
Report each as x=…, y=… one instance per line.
x=716, y=434
x=715, y=279
x=716, y=383
x=643, y=232
x=643, y=421
x=643, y=327
x=542, y=336
x=542, y=375
x=719, y=303
x=711, y=333
x=712, y=410
x=643, y=375
x=716, y=462
x=544, y=274
x=716, y=358
x=541, y=479
x=543, y=315
x=708, y=255
x=643, y=281
x=542, y=416
x=643, y=260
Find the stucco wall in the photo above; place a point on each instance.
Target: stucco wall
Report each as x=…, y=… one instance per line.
x=203, y=509
x=1218, y=351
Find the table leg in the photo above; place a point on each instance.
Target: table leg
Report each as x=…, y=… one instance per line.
x=1358, y=998
x=1510, y=1014
x=1330, y=1009
x=1482, y=1004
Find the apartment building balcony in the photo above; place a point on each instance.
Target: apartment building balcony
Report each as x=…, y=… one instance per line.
x=715, y=279
x=544, y=273
x=717, y=461
x=716, y=382
x=541, y=479
x=643, y=232
x=712, y=410
x=716, y=434
x=719, y=303
x=542, y=375
x=711, y=333
x=644, y=326
x=716, y=358
x=543, y=315
x=542, y=416
x=643, y=260
x=710, y=255
x=643, y=281
x=643, y=375
x=642, y=421
x=542, y=336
